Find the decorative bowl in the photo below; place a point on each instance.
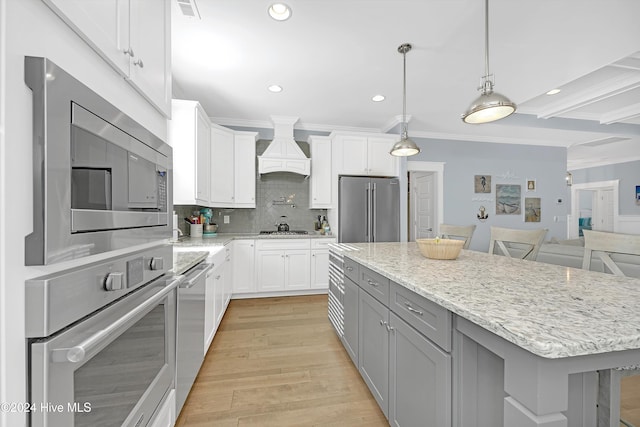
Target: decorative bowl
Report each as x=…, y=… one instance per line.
x=440, y=248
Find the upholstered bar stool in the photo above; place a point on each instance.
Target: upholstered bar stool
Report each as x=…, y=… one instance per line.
x=523, y=244
x=461, y=232
x=603, y=245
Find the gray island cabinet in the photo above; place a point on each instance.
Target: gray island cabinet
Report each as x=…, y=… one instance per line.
x=484, y=340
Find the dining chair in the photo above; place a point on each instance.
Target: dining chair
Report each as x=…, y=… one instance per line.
x=523, y=244
x=460, y=232
x=602, y=245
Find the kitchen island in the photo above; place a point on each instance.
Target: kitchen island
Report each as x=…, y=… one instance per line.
x=525, y=337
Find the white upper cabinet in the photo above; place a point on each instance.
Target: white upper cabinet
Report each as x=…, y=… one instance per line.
x=150, y=42
x=245, y=169
x=320, y=179
x=365, y=155
x=233, y=168
x=189, y=135
x=222, y=192
x=133, y=36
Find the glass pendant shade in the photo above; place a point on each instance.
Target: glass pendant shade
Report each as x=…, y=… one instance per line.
x=404, y=147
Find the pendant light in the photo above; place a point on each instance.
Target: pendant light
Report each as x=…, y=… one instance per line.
x=489, y=106
x=405, y=147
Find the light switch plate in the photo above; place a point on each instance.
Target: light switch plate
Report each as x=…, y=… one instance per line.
x=226, y=219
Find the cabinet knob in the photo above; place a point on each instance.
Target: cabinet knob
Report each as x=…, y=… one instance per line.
x=139, y=63
x=129, y=52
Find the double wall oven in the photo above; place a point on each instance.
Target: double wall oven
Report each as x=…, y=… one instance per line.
x=101, y=335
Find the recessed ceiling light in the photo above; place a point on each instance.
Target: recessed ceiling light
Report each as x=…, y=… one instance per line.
x=553, y=91
x=279, y=11
x=275, y=88
x=377, y=98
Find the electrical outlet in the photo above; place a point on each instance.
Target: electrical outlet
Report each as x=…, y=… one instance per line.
x=226, y=219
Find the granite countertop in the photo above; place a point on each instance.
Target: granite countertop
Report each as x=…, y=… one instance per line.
x=183, y=261
x=549, y=310
x=222, y=239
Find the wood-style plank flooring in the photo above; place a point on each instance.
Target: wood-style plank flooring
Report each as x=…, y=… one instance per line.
x=278, y=362
x=630, y=400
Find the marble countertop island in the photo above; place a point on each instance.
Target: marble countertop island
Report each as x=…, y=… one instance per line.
x=548, y=310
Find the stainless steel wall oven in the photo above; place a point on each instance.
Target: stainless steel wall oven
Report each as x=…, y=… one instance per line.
x=101, y=341
x=101, y=180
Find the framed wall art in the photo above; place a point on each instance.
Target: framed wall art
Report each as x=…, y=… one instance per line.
x=532, y=209
x=482, y=183
x=531, y=185
x=637, y=194
x=508, y=199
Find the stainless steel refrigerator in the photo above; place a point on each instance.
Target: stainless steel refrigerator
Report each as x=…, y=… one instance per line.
x=369, y=209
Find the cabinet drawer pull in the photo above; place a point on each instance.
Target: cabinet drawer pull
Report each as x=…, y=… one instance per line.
x=413, y=310
x=349, y=268
x=389, y=328
x=374, y=284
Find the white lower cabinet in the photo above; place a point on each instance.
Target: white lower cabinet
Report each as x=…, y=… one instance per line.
x=213, y=308
x=244, y=280
x=283, y=264
x=320, y=263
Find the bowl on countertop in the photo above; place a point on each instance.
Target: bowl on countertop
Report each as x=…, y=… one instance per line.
x=440, y=248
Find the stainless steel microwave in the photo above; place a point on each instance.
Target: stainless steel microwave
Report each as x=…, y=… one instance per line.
x=101, y=181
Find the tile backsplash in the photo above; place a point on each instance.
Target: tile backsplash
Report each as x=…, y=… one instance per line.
x=277, y=194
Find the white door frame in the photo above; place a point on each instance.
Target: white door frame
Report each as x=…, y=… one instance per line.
x=438, y=169
x=575, y=203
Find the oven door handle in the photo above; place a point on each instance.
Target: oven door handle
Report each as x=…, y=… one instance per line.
x=77, y=353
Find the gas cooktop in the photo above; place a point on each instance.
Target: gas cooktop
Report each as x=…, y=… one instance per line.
x=281, y=233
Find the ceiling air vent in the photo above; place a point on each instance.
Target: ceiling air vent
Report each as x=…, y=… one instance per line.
x=189, y=8
x=604, y=141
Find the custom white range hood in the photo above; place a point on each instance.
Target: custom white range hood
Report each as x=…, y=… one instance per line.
x=284, y=154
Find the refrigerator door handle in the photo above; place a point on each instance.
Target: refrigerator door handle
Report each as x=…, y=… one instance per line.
x=368, y=213
x=373, y=212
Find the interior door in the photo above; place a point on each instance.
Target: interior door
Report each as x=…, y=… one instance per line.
x=423, y=205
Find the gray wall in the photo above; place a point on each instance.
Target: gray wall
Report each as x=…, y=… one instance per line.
x=506, y=164
x=629, y=175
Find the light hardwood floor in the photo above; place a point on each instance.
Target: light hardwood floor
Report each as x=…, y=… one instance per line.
x=278, y=362
x=630, y=400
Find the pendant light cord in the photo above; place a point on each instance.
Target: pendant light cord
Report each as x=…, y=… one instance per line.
x=486, y=38
x=404, y=93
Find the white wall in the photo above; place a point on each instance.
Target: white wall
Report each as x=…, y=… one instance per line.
x=28, y=27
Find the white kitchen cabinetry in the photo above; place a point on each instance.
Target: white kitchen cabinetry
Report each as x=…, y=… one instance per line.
x=233, y=168
x=320, y=178
x=189, y=134
x=133, y=36
x=212, y=295
x=282, y=264
x=320, y=263
x=222, y=193
x=365, y=155
x=244, y=176
x=243, y=267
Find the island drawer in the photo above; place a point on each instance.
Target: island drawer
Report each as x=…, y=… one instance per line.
x=375, y=284
x=351, y=269
x=430, y=319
